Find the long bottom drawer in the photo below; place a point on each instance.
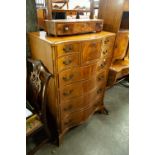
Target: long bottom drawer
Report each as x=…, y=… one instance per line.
x=81, y=102
x=79, y=117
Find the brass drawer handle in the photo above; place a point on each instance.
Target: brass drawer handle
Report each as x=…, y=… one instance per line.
x=102, y=65
x=67, y=62
x=68, y=49
x=105, y=52
x=100, y=78
x=68, y=108
x=68, y=78
x=106, y=41
x=99, y=91
x=67, y=93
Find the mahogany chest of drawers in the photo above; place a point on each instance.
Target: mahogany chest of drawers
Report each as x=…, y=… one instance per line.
x=79, y=65
x=73, y=26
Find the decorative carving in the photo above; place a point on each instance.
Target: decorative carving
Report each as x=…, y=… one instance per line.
x=36, y=82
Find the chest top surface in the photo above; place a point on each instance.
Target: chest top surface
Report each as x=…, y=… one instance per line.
x=56, y=40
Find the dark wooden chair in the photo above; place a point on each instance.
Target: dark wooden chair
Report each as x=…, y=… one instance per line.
x=37, y=81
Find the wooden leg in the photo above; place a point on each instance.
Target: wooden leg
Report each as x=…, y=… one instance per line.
x=60, y=139
x=104, y=110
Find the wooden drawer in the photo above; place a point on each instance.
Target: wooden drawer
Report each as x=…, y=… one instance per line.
x=91, y=50
x=77, y=74
x=106, y=51
x=68, y=61
x=81, y=102
x=78, y=117
x=109, y=40
x=103, y=64
x=80, y=88
x=73, y=26
x=67, y=48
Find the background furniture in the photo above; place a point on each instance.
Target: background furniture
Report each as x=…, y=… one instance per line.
x=80, y=66
x=37, y=80
x=116, y=19
x=47, y=11
x=94, y=6
x=113, y=11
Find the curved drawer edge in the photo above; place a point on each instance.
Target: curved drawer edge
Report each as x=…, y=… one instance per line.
x=80, y=123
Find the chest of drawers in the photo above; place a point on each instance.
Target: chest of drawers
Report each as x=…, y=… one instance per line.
x=79, y=65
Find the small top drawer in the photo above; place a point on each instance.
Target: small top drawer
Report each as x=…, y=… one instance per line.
x=73, y=26
x=63, y=49
x=68, y=61
x=91, y=50
x=65, y=29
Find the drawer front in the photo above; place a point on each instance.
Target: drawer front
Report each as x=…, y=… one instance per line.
x=80, y=88
x=81, y=102
x=101, y=78
x=84, y=27
x=91, y=50
x=78, y=28
x=99, y=26
x=68, y=61
x=65, y=29
x=109, y=40
x=63, y=49
x=103, y=64
x=77, y=74
x=78, y=117
x=75, y=28
x=106, y=51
